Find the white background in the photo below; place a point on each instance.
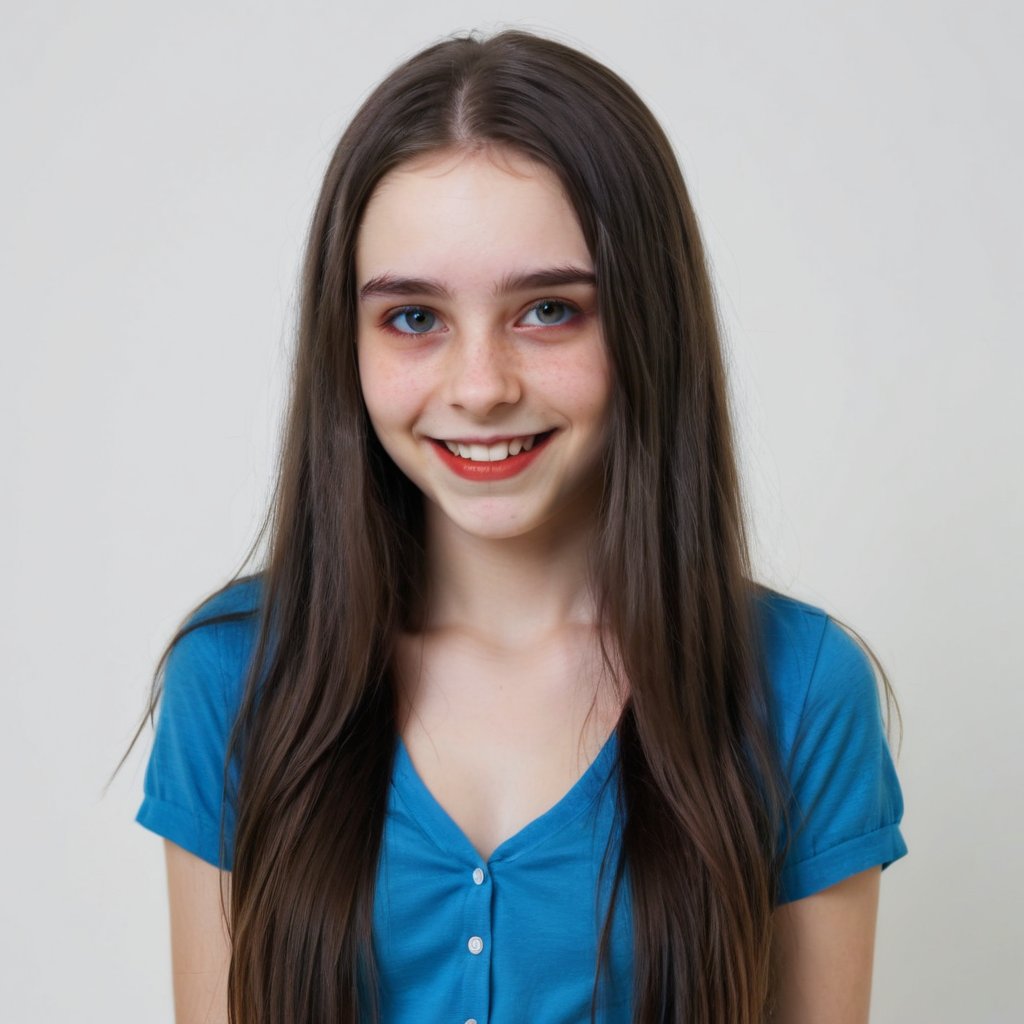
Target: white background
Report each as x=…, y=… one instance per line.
x=856, y=168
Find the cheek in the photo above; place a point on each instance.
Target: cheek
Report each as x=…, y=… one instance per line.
x=600, y=389
x=392, y=394
x=593, y=407
x=585, y=387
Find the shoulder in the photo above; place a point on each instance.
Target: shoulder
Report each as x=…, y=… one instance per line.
x=235, y=602
x=217, y=640
x=792, y=634
x=811, y=661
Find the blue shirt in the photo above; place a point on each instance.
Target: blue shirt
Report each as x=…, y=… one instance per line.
x=515, y=937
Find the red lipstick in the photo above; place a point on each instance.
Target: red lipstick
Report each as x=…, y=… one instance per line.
x=487, y=471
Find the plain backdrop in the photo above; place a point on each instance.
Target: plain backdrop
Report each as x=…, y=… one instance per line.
x=856, y=169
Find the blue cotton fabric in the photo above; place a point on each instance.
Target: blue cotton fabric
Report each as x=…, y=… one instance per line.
x=515, y=937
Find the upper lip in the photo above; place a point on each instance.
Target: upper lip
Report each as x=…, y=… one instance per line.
x=489, y=440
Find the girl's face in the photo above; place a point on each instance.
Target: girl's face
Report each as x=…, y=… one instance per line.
x=481, y=359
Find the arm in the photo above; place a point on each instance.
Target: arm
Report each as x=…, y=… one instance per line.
x=200, y=946
x=825, y=948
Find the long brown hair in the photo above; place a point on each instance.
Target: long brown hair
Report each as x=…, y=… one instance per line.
x=701, y=787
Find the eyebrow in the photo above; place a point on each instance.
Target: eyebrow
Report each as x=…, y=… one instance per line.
x=550, y=277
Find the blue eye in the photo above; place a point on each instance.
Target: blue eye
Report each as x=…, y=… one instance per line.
x=413, y=320
x=551, y=313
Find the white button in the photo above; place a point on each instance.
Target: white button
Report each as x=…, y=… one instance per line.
x=478, y=877
x=472, y=1020
x=476, y=945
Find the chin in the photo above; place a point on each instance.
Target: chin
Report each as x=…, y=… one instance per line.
x=494, y=529
x=491, y=525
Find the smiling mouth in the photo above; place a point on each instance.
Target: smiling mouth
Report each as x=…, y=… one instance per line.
x=497, y=452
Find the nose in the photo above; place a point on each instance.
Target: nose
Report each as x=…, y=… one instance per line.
x=482, y=372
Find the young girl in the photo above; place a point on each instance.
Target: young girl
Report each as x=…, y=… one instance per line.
x=503, y=730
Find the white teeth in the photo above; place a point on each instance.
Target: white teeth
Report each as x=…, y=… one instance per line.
x=492, y=452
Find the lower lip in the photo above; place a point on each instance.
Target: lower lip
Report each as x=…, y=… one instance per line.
x=486, y=471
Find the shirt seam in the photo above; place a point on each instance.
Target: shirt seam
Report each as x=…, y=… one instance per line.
x=810, y=678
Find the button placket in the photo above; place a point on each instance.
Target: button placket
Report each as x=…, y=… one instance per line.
x=477, y=948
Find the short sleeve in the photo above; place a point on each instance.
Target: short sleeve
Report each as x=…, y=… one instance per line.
x=183, y=783
x=847, y=801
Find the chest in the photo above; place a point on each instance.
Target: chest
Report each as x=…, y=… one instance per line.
x=509, y=938
x=499, y=738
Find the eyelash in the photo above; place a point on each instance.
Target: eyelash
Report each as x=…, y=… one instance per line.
x=401, y=311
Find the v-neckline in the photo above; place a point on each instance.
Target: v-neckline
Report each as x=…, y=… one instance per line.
x=445, y=833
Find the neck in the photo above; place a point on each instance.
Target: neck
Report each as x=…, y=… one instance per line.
x=508, y=592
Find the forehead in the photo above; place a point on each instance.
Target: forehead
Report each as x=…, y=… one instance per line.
x=468, y=214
